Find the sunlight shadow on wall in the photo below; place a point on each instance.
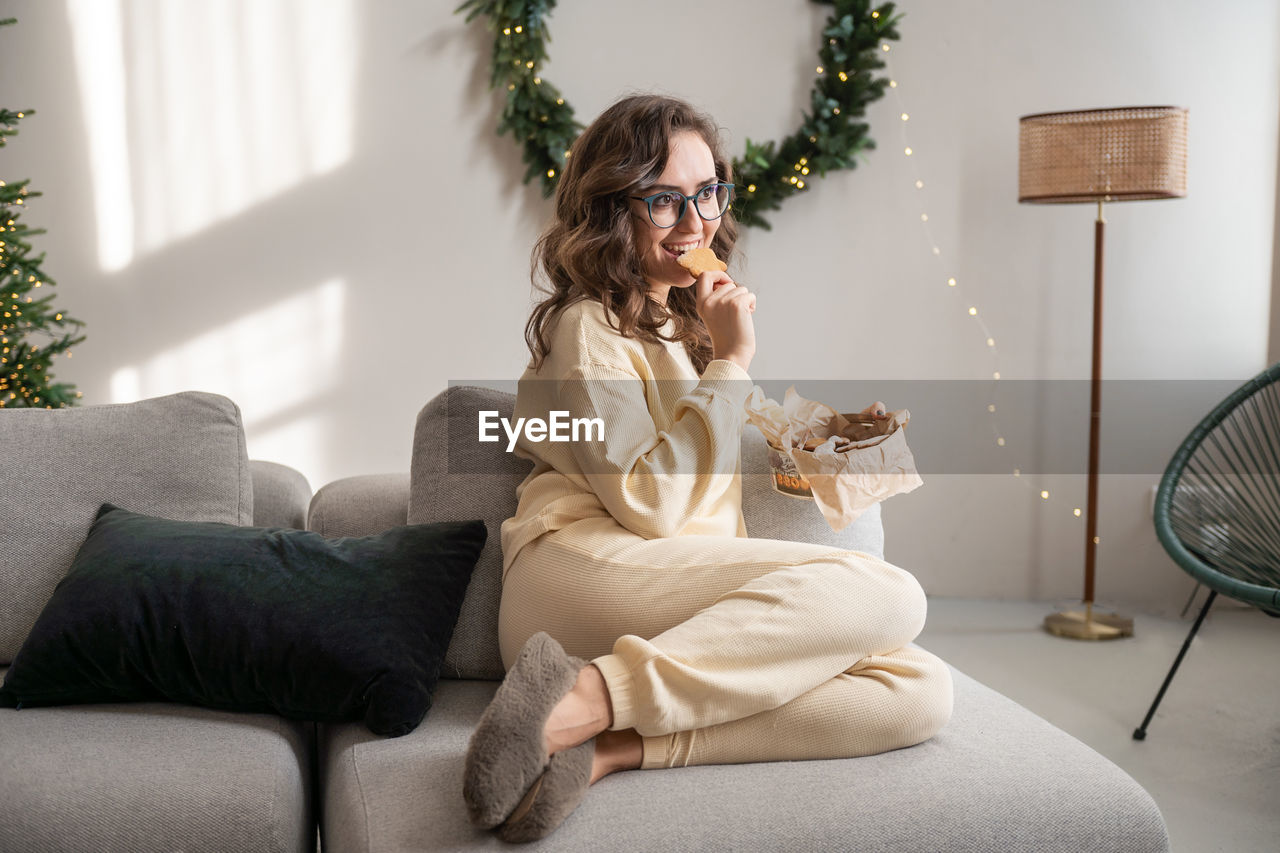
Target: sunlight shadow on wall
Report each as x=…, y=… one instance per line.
x=220, y=105
x=270, y=363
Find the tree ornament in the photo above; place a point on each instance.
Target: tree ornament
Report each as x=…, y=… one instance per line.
x=831, y=135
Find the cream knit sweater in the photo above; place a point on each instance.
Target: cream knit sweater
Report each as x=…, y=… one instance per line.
x=668, y=463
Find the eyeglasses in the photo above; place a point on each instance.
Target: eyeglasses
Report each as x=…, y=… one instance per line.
x=667, y=207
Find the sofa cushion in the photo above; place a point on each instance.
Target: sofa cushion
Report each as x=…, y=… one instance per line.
x=360, y=505
x=251, y=619
x=153, y=777
x=181, y=456
x=281, y=495
x=996, y=777
x=452, y=476
x=456, y=476
x=769, y=514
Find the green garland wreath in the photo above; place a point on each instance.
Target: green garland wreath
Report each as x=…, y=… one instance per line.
x=830, y=137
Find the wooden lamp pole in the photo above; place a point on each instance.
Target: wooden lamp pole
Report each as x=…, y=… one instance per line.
x=1087, y=625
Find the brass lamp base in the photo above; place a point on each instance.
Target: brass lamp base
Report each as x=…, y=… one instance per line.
x=1087, y=625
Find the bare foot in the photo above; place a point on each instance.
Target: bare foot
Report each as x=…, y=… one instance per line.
x=584, y=712
x=616, y=751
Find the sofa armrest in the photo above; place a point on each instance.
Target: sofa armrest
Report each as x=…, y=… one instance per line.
x=360, y=506
x=280, y=495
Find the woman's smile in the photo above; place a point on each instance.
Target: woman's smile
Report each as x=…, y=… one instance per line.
x=675, y=250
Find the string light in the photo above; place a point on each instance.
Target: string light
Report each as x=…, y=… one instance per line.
x=951, y=279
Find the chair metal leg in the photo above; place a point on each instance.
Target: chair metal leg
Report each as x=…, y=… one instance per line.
x=1140, y=733
x=1187, y=606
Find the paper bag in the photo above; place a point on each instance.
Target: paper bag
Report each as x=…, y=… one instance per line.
x=844, y=466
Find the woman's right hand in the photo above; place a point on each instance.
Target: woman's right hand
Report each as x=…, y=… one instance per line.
x=726, y=309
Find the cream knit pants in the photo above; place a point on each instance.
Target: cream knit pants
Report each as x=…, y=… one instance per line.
x=719, y=650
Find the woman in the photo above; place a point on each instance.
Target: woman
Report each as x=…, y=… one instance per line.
x=628, y=547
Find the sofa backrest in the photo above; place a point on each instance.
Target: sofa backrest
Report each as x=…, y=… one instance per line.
x=181, y=457
x=456, y=477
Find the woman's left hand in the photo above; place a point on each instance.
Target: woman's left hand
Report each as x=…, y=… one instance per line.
x=876, y=409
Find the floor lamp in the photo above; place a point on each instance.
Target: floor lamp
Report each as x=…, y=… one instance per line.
x=1119, y=154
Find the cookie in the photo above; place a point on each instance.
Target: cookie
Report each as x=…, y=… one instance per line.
x=700, y=260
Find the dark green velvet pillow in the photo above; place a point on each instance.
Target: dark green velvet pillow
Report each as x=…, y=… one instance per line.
x=251, y=619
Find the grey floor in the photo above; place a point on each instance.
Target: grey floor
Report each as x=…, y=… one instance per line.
x=1211, y=759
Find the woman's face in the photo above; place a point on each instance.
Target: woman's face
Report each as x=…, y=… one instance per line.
x=690, y=167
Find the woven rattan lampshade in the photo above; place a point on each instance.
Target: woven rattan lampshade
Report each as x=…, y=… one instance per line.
x=1118, y=154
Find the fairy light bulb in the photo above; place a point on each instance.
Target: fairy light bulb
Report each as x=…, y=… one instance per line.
x=951, y=282
x=1045, y=494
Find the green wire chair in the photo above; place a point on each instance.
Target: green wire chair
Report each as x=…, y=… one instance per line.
x=1217, y=510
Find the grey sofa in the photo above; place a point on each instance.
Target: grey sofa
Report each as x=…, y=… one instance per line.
x=155, y=776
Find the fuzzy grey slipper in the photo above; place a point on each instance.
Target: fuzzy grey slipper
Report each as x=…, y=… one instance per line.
x=507, y=752
x=552, y=797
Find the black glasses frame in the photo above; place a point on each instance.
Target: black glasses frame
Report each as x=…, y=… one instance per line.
x=684, y=203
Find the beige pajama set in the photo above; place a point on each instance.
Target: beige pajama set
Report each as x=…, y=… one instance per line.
x=629, y=548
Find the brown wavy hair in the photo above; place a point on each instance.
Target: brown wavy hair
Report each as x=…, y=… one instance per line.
x=590, y=249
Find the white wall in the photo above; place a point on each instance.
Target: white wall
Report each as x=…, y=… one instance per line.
x=303, y=205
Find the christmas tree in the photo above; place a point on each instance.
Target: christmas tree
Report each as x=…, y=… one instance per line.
x=32, y=331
